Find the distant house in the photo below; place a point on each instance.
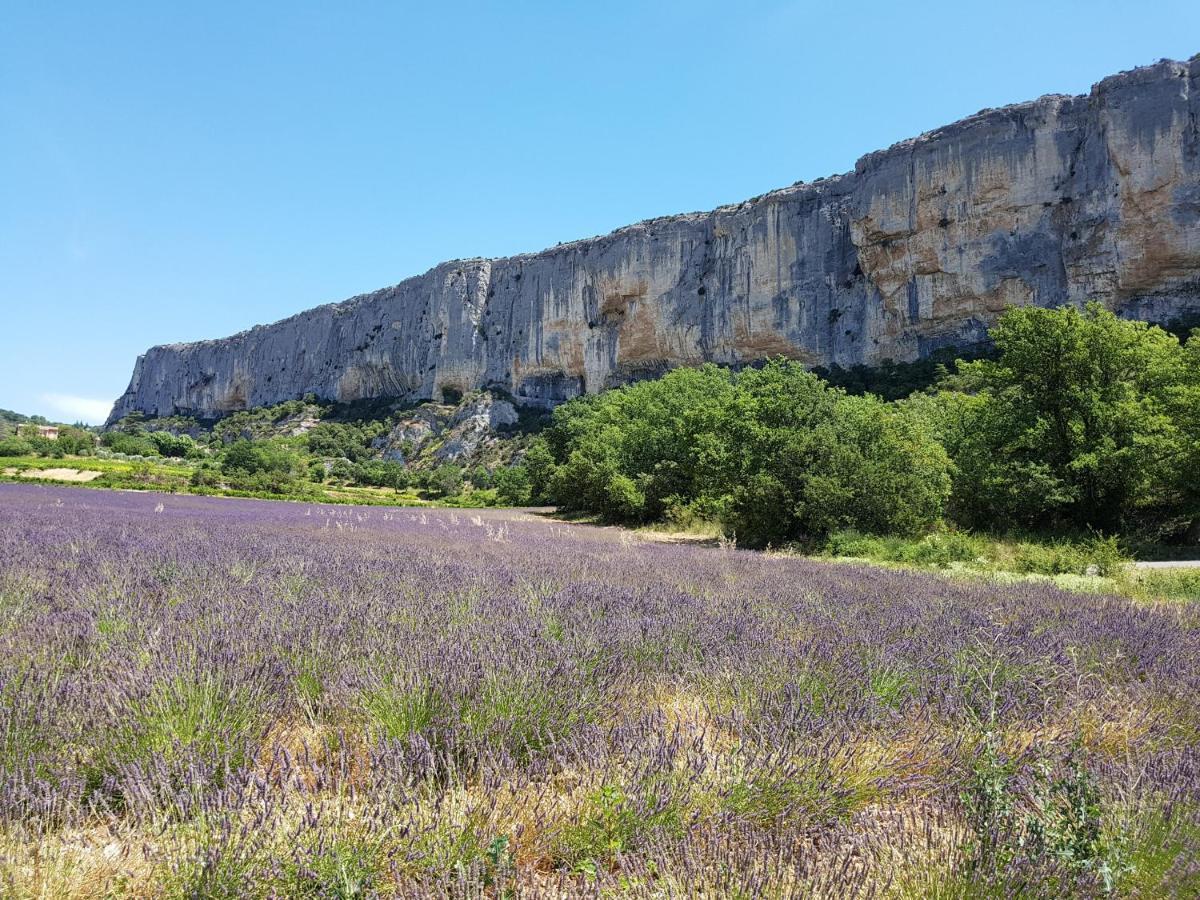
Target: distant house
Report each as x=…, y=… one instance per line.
x=48, y=431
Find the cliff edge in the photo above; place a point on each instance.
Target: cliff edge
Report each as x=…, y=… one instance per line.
x=1057, y=201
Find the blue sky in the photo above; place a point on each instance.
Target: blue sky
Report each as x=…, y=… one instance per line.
x=171, y=174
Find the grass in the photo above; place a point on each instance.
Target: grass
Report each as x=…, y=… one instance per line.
x=1161, y=584
x=983, y=553
x=398, y=711
x=174, y=477
x=1090, y=565
x=1085, y=565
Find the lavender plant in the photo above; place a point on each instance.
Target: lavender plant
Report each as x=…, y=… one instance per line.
x=243, y=698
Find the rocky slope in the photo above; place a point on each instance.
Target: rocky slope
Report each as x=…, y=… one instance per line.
x=1061, y=200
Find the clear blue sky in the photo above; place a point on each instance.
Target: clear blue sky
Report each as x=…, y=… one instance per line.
x=170, y=174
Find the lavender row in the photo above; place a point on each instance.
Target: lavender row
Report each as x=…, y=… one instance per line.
x=214, y=697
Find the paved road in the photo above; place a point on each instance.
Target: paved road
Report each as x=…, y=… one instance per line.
x=1172, y=564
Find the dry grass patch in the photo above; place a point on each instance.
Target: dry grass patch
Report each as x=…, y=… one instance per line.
x=77, y=864
x=59, y=474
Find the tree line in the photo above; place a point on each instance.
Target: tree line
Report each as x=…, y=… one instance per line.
x=1079, y=420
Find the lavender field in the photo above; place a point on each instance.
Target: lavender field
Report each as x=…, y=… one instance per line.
x=206, y=697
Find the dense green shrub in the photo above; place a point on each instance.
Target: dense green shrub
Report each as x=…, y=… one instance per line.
x=13, y=446
x=383, y=473
x=782, y=455
x=268, y=468
x=168, y=444
x=339, y=439
x=629, y=453
x=811, y=460
x=131, y=444
x=538, y=462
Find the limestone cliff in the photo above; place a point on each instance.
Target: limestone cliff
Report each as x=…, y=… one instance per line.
x=1061, y=200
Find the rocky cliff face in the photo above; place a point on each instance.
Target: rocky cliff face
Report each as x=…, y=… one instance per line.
x=1062, y=200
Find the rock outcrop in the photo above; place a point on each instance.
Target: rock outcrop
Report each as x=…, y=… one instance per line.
x=454, y=434
x=1061, y=200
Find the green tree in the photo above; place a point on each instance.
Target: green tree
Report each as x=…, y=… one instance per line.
x=810, y=459
x=251, y=457
x=173, y=445
x=129, y=443
x=630, y=454
x=539, y=466
x=383, y=473
x=447, y=480
x=339, y=439
x=775, y=451
x=75, y=440
x=1072, y=425
x=513, y=486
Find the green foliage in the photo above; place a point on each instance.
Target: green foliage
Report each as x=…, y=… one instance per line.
x=894, y=381
x=205, y=718
x=131, y=444
x=813, y=460
x=1165, y=584
x=344, y=869
x=269, y=466
x=627, y=453
x=383, y=473
x=338, y=439
x=538, y=462
x=76, y=441
x=1057, y=818
x=1154, y=840
x=14, y=446
x=513, y=487
x=447, y=480
x=779, y=453
x=521, y=714
x=342, y=470
x=247, y=458
x=397, y=711
x=612, y=823
x=944, y=549
x=1085, y=420
x=168, y=444
x=801, y=796
x=10, y=421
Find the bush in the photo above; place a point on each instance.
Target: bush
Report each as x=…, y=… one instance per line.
x=383, y=473
x=343, y=470
x=538, y=462
x=250, y=458
x=337, y=439
x=513, y=486
x=129, y=444
x=75, y=440
x=206, y=476
x=174, y=445
x=15, y=447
